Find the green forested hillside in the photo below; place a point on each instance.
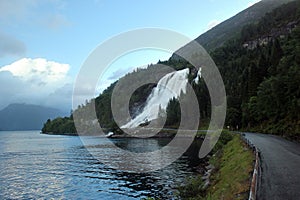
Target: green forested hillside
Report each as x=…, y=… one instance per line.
x=261, y=71
x=230, y=29
x=260, y=67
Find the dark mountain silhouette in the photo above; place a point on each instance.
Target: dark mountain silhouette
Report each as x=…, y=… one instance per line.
x=26, y=117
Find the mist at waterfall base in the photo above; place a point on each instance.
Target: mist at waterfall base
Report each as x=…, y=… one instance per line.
x=168, y=87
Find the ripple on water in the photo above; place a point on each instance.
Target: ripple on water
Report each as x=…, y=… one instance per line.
x=37, y=166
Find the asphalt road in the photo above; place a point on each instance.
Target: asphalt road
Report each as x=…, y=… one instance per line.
x=280, y=167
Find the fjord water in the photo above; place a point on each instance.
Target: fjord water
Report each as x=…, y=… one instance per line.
x=50, y=166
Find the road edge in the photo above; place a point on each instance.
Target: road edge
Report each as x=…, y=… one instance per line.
x=256, y=170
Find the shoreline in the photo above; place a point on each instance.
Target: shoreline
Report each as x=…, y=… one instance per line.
x=169, y=134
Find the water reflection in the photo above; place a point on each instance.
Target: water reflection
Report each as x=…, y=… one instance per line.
x=140, y=145
x=42, y=166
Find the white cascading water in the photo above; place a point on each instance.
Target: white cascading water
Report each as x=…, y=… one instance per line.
x=198, y=77
x=168, y=87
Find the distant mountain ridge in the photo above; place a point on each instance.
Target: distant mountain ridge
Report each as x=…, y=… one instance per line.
x=26, y=117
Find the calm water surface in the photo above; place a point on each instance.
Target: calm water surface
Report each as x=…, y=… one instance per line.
x=36, y=166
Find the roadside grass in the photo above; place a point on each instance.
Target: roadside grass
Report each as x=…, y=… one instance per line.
x=230, y=179
x=232, y=176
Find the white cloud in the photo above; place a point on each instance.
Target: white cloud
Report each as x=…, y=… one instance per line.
x=36, y=81
x=212, y=24
x=38, y=69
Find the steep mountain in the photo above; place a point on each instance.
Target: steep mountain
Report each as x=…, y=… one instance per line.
x=231, y=28
x=26, y=117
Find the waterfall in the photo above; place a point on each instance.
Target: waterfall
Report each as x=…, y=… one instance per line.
x=168, y=87
x=198, y=77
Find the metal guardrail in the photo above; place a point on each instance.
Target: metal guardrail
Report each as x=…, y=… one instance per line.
x=256, y=170
x=255, y=177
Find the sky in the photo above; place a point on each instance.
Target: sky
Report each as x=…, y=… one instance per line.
x=43, y=43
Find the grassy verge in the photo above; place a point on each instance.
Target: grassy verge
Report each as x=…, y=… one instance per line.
x=234, y=166
x=231, y=177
